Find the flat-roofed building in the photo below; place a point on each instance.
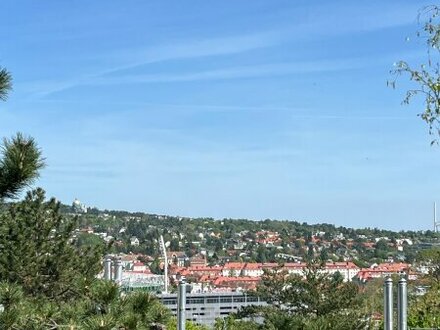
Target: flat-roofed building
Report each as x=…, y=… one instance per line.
x=204, y=308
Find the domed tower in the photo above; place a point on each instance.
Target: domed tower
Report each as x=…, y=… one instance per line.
x=78, y=207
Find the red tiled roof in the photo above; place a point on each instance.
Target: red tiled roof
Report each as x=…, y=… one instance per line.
x=341, y=265
x=234, y=265
x=252, y=265
x=236, y=279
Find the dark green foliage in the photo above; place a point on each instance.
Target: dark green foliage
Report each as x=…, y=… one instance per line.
x=86, y=239
x=5, y=83
x=424, y=310
x=11, y=297
x=39, y=252
x=317, y=293
x=20, y=163
x=313, y=301
x=323, y=256
x=279, y=319
x=231, y=323
x=172, y=325
x=100, y=308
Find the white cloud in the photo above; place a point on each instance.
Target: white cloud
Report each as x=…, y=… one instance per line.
x=251, y=71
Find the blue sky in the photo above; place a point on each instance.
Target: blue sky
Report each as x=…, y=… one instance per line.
x=243, y=109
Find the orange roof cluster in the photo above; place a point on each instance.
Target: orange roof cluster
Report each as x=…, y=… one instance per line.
x=234, y=265
x=341, y=265
x=382, y=270
x=328, y=265
x=256, y=266
x=245, y=282
x=198, y=270
x=228, y=279
x=252, y=265
x=214, y=274
x=392, y=267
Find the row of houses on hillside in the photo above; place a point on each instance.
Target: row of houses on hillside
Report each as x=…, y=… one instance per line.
x=348, y=270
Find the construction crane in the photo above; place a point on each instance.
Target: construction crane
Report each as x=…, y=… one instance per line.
x=165, y=258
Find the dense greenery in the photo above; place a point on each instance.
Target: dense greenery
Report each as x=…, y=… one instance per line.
x=38, y=252
x=318, y=301
x=424, y=309
x=100, y=308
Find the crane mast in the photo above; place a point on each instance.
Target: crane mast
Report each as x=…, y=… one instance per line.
x=165, y=258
